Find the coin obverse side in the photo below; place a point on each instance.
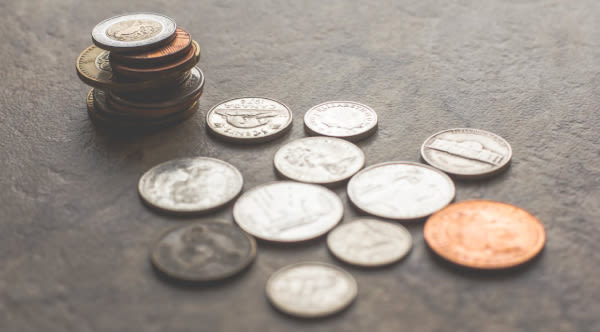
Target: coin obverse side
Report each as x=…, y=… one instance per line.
x=400, y=190
x=134, y=32
x=311, y=289
x=203, y=251
x=369, y=242
x=287, y=211
x=180, y=44
x=485, y=234
x=467, y=153
x=190, y=185
x=344, y=119
x=322, y=160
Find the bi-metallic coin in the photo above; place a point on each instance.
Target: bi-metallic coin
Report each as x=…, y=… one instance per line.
x=344, y=119
x=180, y=45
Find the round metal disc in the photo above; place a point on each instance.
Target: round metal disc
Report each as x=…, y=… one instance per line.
x=181, y=44
x=344, y=119
x=134, y=32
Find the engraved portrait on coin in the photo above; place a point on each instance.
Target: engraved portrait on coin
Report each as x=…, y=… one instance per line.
x=344, y=119
x=132, y=30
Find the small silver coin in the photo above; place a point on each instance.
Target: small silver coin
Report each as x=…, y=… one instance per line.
x=369, y=242
x=133, y=32
x=287, y=211
x=321, y=160
x=190, y=185
x=311, y=289
x=467, y=153
x=203, y=251
x=249, y=119
x=400, y=190
x=344, y=119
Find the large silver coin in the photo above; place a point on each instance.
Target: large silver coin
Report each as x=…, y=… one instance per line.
x=322, y=160
x=249, y=120
x=133, y=32
x=203, y=251
x=344, y=119
x=467, y=153
x=400, y=190
x=311, y=289
x=288, y=211
x=369, y=242
x=190, y=185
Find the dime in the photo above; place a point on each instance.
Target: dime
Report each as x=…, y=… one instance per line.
x=190, y=185
x=369, y=242
x=344, y=119
x=134, y=32
x=400, y=190
x=203, y=251
x=311, y=289
x=288, y=211
x=466, y=152
x=485, y=234
x=249, y=119
x=323, y=160
x=181, y=44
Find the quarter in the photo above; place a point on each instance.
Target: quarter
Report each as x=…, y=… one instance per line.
x=134, y=32
x=344, y=119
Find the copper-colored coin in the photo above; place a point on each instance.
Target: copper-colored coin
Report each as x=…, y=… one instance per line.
x=485, y=234
x=181, y=44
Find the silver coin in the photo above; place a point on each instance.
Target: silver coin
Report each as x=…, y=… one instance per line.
x=400, y=190
x=133, y=32
x=311, y=289
x=249, y=119
x=322, y=160
x=467, y=153
x=203, y=251
x=287, y=211
x=344, y=119
x=190, y=185
x=369, y=242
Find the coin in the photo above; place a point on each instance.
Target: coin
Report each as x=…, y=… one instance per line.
x=344, y=119
x=249, y=119
x=322, y=160
x=134, y=32
x=400, y=190
x=112, y=109
x=189, y=185
x=287, y=211
x=181, y=44
x=467, y=153
x=369, y=242
x=485, y=234
x=203, y=251
x=311, y=289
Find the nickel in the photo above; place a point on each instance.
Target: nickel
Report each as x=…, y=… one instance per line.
x=344, y=119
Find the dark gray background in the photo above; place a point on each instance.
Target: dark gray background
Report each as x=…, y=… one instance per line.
x=74, y=236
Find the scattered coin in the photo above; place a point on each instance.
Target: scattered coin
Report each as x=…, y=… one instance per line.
x=344, y=119
x=134, y=32
x=181, y=44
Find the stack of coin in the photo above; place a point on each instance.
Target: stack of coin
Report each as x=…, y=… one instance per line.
x=142, y=68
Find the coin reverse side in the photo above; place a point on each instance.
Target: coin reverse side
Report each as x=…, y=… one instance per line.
x=344, y=119
x=134, y=32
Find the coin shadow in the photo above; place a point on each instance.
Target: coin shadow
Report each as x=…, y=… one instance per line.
x=290, y=246
x=242, y=145
x=497, y=176
x=310, y=320
x=199, y=285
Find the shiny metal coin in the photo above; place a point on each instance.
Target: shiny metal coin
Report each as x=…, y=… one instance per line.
x=400, y=190
x=288, y=211
x=181, y=44
x=134, y=32
x=344, y=119
x=249, y=119
x=188, y=185
x=203, y=251
x=321, y=160
x=467, y=153
x=369, y=242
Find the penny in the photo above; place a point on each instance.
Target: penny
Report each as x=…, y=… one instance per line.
x=467, y=153
x=181, y=44
x=188, y=185
x=344, y=119
x=203, y=251
x=286, y=211
x=485, y=234
x=322, y=160
x=400, y=190
x=134, y=32
x=369, y=242
x=249, y=119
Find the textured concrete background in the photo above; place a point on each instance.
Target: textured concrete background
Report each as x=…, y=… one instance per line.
x=74, y=236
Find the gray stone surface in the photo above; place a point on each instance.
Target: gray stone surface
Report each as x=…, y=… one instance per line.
x=75, y=238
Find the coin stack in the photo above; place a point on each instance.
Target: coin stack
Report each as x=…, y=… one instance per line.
x=142, y=68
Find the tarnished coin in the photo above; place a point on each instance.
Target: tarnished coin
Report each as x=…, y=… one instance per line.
x=311, y=289
x=322, y=160
x=467, y=153
x=134, y=32
x=190, y=185
x=400, y=190
x=179, y=46
x=344, y=119
x=203, y=251
x=485, y=234
x=288, y=211
x=369, y=242
x=249, y=119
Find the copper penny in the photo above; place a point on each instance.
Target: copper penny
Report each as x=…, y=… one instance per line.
x=485, y=234
x=181, y=44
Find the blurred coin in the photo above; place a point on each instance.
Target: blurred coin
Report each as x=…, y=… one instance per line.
x=138, y=115
x=180, y=45
x=344, y=119
x=134, y=32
